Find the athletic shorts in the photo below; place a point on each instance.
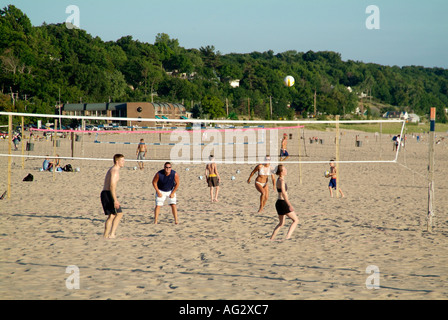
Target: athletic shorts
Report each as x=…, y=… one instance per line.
x=165, y=196
x=108, y=203
x=282, y=207
x=141, y=156
x=283, y=153
x=332, y=183
x=213, y=181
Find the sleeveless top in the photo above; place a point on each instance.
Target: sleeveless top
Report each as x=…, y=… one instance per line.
x=280, y=190
x=166, y=183
x=264, y=171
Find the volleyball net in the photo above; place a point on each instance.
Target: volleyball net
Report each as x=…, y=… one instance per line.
x=87, y=138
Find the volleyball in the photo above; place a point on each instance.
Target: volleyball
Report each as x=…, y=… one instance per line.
x=289, y=81
x=327, y=174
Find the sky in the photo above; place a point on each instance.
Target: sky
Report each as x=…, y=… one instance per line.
x=394, y=32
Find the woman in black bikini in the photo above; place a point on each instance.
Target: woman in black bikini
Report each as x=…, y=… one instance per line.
x=283, y=206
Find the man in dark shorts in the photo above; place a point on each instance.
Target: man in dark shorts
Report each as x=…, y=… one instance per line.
x=109, y=200
x=212, y=176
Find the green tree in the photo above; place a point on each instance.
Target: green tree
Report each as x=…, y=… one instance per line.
x=115, y=85
x=213, y=106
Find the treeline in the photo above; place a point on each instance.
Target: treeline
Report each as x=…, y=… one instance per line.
x=40, y=66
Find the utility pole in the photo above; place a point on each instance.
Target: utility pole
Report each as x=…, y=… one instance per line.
x=315, y=110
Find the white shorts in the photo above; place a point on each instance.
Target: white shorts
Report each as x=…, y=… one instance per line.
x=165, y=195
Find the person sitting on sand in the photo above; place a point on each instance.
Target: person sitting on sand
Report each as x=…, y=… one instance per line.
x=46, y=164
x=261, y=182
x=109, y=200
x=55, y=164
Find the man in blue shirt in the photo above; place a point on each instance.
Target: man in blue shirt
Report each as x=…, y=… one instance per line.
x=166, y=182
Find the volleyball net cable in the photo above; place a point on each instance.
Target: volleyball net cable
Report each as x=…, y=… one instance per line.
x=189, y=141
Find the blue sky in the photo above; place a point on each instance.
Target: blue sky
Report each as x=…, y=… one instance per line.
x=411, y=32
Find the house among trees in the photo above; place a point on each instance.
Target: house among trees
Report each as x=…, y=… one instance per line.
x=128, y=110
x=392, y=115
x=234, y=83
x=413, y=118
x=410, y=117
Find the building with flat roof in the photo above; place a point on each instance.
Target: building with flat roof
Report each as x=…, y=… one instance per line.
x=128, y=110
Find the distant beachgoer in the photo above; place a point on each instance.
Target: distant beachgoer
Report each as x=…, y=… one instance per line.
x=261, y=182
x=109, y=200
x=55, y=164
x=212, y=178
x=166, y=182
x=16, y=140
x=333, y=184
x=283, y=150
x=46, y=164
x=283, y=205
x=141, y=153
x=397, y=141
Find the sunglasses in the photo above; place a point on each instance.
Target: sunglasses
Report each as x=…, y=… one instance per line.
x=167, y=167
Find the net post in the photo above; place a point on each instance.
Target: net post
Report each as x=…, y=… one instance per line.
x=431, y=171
x=72, y=143
x=83, y=127
x=300, y=162
x=54, y=135
x=304, y=142
x=338, y=181
x=10, y=153
x=381, y=141
x=23, y=142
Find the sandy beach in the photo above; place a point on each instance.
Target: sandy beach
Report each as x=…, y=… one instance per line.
x=222, y=250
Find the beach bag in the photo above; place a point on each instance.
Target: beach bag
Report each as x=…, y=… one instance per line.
x=29, y=177
x=68, y=168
